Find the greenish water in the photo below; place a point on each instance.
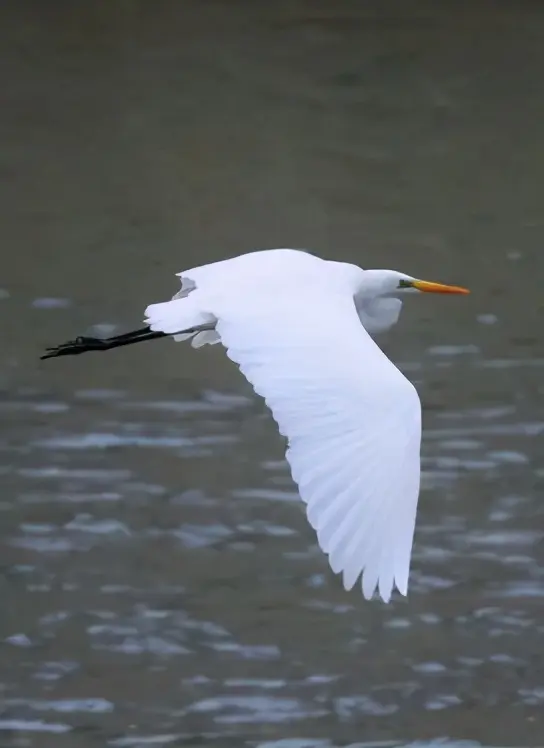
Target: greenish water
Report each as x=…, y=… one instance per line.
x=161, y=585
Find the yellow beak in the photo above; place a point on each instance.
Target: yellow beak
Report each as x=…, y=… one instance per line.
x=429, y=287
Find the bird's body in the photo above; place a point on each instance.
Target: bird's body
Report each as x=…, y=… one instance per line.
x=286, y=273
x=300, y=328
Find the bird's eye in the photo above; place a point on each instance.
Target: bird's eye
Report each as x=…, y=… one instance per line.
x=405, y=284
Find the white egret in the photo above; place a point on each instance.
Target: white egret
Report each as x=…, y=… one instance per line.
x=300, y=328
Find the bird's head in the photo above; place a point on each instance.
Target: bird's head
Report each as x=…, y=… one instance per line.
x=393, y=283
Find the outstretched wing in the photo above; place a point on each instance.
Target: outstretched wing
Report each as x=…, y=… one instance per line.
x=352, y=420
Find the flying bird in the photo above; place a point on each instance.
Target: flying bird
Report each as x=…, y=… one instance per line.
x=300, y=329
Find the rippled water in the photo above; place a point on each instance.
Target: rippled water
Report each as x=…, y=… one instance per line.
x=161, y=585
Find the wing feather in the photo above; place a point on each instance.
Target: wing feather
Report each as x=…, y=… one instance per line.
x=352, y=421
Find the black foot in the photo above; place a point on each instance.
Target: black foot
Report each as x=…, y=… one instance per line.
x=82, y=345
x=74, y=347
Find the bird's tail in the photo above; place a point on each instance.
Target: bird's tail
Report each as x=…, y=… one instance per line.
x=179, y=318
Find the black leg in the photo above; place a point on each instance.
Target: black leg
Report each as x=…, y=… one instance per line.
x=83, y=344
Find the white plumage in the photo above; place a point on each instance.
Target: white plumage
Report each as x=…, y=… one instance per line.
x=298, y=327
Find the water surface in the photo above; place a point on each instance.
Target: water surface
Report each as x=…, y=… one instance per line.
x=161, y=585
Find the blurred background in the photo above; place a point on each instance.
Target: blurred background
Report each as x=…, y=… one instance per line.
x=160, y=583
